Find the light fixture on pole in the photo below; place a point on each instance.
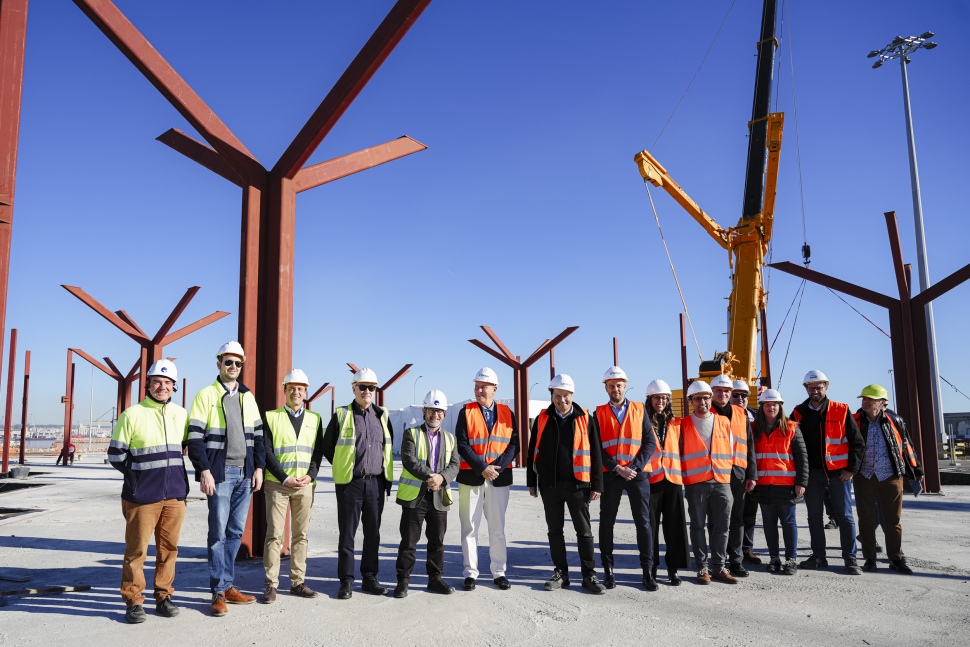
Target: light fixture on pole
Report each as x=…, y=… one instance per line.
x=902, y=48
x=530, y=389
x=414, y=390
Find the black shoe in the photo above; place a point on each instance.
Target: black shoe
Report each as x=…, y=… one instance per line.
x=558, y=580
x=814, y=562
x=832, y=524
x=468, y=584
x=372, y=586
x=593, y=585
x=790, y=568
x=750, y=558
x=502, y=583
x=401, y=590
x=438, y=585
x=869, y=566
x=852, y=567
x=649, y=581
x=608, y=578
x=738, y=571
x=858, y=538
x=774, y=565
x=346, y=589
x=900, y=566
x=674, y=578
x=166, y=608
x=135, y=614
x=301, y=590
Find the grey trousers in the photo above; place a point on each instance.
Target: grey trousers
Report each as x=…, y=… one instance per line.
x=710, y=501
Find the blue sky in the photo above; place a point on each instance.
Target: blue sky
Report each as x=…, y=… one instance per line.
x=526, y=213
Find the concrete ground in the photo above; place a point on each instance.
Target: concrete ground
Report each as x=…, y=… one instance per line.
x=75, y=537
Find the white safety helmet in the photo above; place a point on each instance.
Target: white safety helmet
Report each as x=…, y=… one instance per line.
x=364, y=375
x=165, y=368
x=564, y=382
x=658, y=387
x=814, y=376
x=698, y=386
x=231, y=348
x=486, y=375
x=436, y=400
x=741, y=385
x=771, y=395
x=614, y=373
x=296, y=376
x=722, y=380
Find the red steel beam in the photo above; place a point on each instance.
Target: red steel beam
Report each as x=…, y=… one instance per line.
x=112, y=318
x=113, y=374
x=175, y=314
x=68, y=401
x=201, y=154
x=23, y=411
x=8, y=417
x=192, y=327
x=397, y=376
x=367, y=158
x=616, y=352
x=684, y=376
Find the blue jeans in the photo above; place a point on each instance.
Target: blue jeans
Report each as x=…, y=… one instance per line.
x=771, y=514
x=228, y=509
x=841, y=493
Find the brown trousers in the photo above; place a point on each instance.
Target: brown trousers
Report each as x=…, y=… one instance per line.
x=300, y=503
x=889, y=494
x=164, y=520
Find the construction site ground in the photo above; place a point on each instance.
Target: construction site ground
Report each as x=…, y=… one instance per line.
x=71, y=532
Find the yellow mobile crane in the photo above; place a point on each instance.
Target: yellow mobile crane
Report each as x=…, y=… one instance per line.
x=746, y=242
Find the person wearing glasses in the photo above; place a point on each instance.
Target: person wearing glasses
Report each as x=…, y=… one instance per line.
x=225, y=443
x=739, y=397
x=359, y=443
x=835, y=452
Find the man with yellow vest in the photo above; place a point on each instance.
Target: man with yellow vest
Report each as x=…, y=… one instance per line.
x=628, y=444
x=699, y=452
x=294, y=450
x=146, y=447
x=744, y=467
x=835, y=450
x=488, y=442
x=888, y=457
x=430, y=464
x=564, y=464
x=359, y=444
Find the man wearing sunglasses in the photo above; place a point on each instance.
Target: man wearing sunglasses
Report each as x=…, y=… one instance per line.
x=358, y=443
x=225, y=442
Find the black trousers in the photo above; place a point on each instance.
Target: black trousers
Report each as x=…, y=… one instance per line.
x=359, y=500
x=411, y=521
x=744, y=514
x=667, y=510
x=639, y=494
x=555, y=500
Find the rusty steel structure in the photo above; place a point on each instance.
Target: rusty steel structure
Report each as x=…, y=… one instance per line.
x=520, y=377
x=7, y=425
x=907, y=326
x=382, y=388
x=124, y=380
x=616, y=352
x=151, y=347
x=23, y=412
x=326, y=388
x=68, y=400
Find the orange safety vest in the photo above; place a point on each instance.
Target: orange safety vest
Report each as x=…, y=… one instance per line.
x=622, y=442
x=906, y=453
x=835, y=450
x=740, y=430
x=656, y=461
x=487, y=446
x=776, y=463
x=688, y=461
x=582, y=466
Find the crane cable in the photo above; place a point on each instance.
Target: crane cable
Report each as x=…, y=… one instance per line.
x=671, y=261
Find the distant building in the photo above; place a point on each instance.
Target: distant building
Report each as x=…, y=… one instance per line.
x=957, y=424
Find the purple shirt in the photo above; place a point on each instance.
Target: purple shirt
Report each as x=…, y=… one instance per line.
x=434, y=443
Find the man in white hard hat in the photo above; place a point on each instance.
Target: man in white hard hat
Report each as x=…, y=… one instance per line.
x=628, y=443
x=749, y=515
x=429, y=465
x=359, y=442
x=835, y=450
x=146, y=448
x=744, y=469
x=225, y=442
x=699, y=452
x=488, y=442
x=294, y=451
x=565, y=466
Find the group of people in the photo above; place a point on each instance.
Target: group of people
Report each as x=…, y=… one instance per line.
x=725, y=459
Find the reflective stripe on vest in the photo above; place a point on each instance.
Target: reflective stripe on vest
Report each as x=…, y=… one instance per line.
x=657, y=472
x=344, y=453
x=292, y=452
x=408, y=487
x=906, y=453
x=776, y=464
x=581, y=456
x=621, y=441
x=488, y=446
x=835, y=449
x=687, y=459
x=740, y=430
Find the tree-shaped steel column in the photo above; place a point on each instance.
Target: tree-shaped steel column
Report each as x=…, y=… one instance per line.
x=520, y=377
x=319, y=392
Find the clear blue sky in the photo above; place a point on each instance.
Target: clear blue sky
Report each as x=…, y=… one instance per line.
x=526, y=213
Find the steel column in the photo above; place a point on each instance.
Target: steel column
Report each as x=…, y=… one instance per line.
x=68, y=401
x=616, y=352
x=23, y=412
x=684, y=375
x=7, y=425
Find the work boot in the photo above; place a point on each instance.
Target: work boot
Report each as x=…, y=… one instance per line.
x=608, y=580
x=269, y=595
x=235, y=596
x=724, y=576
x=166, y=608
x=559, y=580
x=346, y=589
x=791, y=568
x=673, y=577
x=593, y=585
x=750, y=557
x=301, y=590
x=372, y=586
x=852, y=567
x=135, y=614
x=900, y=566
x=649, y=581
x=814, y=563
x=468, y=584
x=738, y=571
x=219, y=607
x=401, y=590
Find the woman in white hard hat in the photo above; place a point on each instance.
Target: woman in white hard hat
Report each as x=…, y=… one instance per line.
x=782, y=461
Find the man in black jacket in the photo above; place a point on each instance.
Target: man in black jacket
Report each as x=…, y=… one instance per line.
x=565, y=466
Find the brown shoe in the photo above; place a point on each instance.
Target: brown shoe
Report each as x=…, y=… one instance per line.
x=269, y=595
x=235, y=596
x=703, y=577
x=219, y=608
x=724, y=575
x=301, y=590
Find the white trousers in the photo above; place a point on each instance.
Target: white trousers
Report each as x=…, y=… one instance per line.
x=473, y=502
